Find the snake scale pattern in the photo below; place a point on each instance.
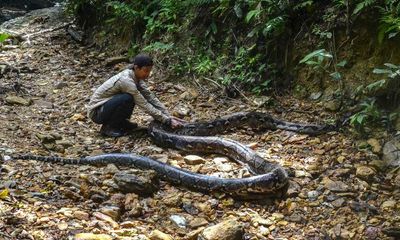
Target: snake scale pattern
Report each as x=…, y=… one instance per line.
x=270, y=180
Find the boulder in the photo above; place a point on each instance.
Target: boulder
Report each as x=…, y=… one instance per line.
x=27, y=4
x=391, y=152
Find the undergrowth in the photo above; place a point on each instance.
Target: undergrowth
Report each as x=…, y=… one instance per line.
x=246, y=43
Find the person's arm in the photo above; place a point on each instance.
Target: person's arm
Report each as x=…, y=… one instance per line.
x=151, y=98
x=130, y=87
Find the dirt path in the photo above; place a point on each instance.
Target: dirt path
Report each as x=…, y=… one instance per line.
x=337, y=191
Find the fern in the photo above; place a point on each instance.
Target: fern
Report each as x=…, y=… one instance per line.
x=362, y=5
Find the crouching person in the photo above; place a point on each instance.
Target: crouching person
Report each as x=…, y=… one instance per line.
x=113, y=102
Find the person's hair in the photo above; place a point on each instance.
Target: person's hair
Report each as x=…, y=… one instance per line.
x=143, y=60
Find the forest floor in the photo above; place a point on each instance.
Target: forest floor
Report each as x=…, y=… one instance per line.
x=338, y=190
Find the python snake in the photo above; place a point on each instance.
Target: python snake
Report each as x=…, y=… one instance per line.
x=269, y=180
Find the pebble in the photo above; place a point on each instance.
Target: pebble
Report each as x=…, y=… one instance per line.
x=313, y=195
x=229, y=229
x=197, y=222
x=81, y=215
x=178, y=220
x=365, y=173
x=338, y=202
x=335, y=186
x=18, y=100
x=264, y=231
x=145, y=184
x=158, y=235
x=112, y=211
x=91, y=236
x=106, y=218
x=376, y=147
x=194, y=160
x=390, y=204
x=222, y=165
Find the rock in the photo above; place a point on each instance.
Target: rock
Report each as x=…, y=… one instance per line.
x=262, y=101
x=60, y=85
x=332, y=105
x=189, y=95
x=10, y=184
x=10, y=13
x=112, y=211
x=145, y=184
x=132, y=204
x=301, y=173
x=181, y=111
x=390, y=204
x=78, y=117
x=81, y=215
x=391, y=152
x=315, y=95
x=178, y=220
x=313, y=195
x=64, y=143
x=379, y=165
x=222, y=164
x=375, y=145
x=371, y=233
x=158, y=235
x=18, y=100
x=264, y=231
x=62, y=226
x=194, y=160
x=335, y=186
x=27, y=4
x=340, y=159
x=338, y=202
x=229, y=229
x=365, y=173
x=262, y=221
x=106, y=218
x=111, y=169
x=43, y=104
x=92, y=236
x=173, y=199
x=197, y=222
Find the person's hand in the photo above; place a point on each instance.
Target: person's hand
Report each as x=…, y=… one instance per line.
x=179, y=120
x=176, y=123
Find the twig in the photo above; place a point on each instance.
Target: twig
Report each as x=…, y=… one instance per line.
x=244, y=96
x=217, y=84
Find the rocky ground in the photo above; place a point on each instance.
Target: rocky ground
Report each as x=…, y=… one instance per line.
x=340, y=189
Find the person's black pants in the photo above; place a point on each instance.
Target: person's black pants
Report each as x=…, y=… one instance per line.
x=115, y=111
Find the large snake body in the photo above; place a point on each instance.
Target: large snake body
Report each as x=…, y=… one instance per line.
x=270, y=179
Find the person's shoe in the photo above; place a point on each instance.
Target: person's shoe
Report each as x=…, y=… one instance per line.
x=129, y=126
x=107, y=130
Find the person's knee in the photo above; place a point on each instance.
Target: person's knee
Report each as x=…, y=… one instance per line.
x=127, y=99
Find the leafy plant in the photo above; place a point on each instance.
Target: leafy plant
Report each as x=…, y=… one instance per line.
x=4, y=37
x=363, y=5
x=390, y=20
x=369, y=113
x=316, y=59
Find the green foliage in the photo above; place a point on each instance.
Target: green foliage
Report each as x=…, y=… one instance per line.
x=316, y=59
x=371, y=112
x=242, y=41
x=3, y=37
x=361, y=5
x=390, y=20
